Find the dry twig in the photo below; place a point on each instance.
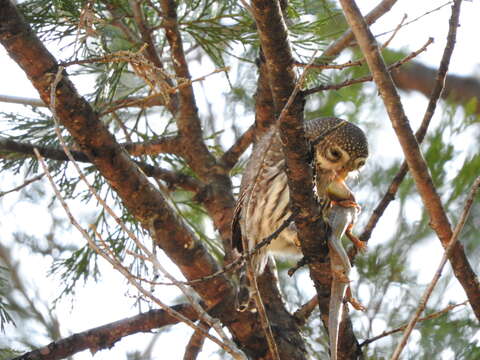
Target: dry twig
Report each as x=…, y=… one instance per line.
x=403, y=327
x=112, y=258
x=453, y=241
x=19, y=187
x=420, y=133
x=367, y=77
x=438, y=219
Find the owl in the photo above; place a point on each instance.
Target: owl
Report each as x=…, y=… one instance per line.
x=338, y=147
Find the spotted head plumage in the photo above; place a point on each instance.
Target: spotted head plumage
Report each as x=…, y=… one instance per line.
x=338, y=145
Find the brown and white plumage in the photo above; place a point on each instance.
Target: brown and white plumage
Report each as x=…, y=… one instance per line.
x=339, y=147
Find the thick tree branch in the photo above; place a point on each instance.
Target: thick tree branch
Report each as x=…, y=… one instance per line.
x=264, y=108
x=133, y=187
x=188, y=122
x=165, y=144
x=437, y=89
x=232, y=155
x=172, y=178
x=105, y=336
x=220, y=201
x=10, y=147
x=459, y=89
x=279, y=61
x=195, y=344
x=421, y=175
x=138, y=195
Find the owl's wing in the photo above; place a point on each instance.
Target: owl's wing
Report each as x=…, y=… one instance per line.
x=265, y=161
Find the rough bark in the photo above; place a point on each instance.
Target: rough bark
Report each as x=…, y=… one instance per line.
x=138, y=195
x=279, y=61
x=105, y=336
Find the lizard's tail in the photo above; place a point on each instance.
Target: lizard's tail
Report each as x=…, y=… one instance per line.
x=335, y=311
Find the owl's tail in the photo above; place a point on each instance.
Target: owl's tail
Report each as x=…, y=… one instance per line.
x=243, y=296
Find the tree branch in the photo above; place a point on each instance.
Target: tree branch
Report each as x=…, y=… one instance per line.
x=21, y=186
x=264, y=108
x=151, y=50
x=197, y=154
x=343, y=41
x=220, y=201
x=437, y=90
x=232, y=155
x=165, y=144
x=279, y=61
x=459, y=89
x=195, y=344
x=105, y=336
x=453, y=241
x=172, y=178
x=438, y=219
x=366, y=78
x=425, y=318
x=139, y=196
x=21, y=100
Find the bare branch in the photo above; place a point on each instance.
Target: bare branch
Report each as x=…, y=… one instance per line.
x=417, y=18
x=421, y=132
x=428, y=292
x=188, y=122
x=421, y=175
x=366, y=78
x=19, y=187
x=419, y=77
x=172, y=178
x=403, y=327
x=105, y=336
x=343, y=41
x=218, y=200
x=21, y=100
x=165, y=144
x=232, y=155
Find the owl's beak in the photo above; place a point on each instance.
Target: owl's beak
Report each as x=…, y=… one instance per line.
x=342, y=174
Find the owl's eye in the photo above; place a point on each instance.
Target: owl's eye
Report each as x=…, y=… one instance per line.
x=359, y=163
x=333, y=154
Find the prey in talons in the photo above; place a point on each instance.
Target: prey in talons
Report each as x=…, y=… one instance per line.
x=341, y=215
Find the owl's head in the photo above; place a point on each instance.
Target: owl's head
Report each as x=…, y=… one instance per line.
x=339, y=145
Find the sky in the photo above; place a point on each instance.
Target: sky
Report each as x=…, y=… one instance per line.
x=96, y=304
